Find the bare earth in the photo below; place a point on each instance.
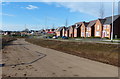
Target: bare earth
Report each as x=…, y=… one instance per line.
x=23, y=59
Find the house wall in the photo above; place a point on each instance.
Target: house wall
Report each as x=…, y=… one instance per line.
x=106, y=31
x=71, y=32
x=63, y=32
x=98, y=29
x=75, y=32
x=67, y=33
x=88, y=31
x=58, y=33
x=83, y=29
x=117, y=28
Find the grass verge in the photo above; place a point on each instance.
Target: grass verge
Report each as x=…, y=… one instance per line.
x=106, y=53
x=6, y=40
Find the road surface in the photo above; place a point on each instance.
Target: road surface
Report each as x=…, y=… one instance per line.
x=23, y=59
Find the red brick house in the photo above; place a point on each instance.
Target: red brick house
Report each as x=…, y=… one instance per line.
x=90, y=29
x=98, y=28
x=52, y=30
x=107, y=27
x=77, y=30
x=67, y=31
x=47, y=30
x=71, y=31
x=83, y=29
x=64, y=31
x=59, y=31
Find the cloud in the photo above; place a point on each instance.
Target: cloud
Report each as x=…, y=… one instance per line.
x=31, y=7
x=5, y=14
x=90, y=8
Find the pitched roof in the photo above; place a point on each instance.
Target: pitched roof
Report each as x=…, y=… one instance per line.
x=67, y=28
x=91, y=23
x=102, y=21
x=86, y=23
x=78, y=24
x=73, y=26
x=59, y=29
x=109, y=19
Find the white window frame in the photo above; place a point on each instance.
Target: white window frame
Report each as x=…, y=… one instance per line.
x=98, y=27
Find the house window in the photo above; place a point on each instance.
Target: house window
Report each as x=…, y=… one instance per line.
x=82, y=34
x=98, y=27
x=88, y=28
x=104, y=27
x=108, y=27
x=87, y=34
x=97, y=33
x=82, y=28
x=76, y=25
x=107, y=33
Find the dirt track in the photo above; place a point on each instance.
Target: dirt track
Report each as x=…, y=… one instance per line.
x=23, y=59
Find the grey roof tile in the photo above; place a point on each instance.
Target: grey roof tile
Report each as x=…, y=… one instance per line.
x=109, y=19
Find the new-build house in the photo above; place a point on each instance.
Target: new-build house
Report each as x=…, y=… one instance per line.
x=52, y=30
x=64, y=31
x=71, y=31
x=67, y=31
x=83, y=29
x=47, y=30
x=59, y=31
x=107, y=27
x=98, y=28
x=90, y=29
x=77, y=30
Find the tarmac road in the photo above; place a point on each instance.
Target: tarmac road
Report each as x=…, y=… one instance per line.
x=23, y=59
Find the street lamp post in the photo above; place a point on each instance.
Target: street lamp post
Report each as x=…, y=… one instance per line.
x=113, y=4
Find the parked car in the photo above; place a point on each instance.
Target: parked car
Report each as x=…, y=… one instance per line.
x=49, y=37
x=44, y=36
x=55, y=37
x=64, y=37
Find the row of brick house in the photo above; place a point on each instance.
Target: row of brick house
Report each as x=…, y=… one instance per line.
x=96, y=28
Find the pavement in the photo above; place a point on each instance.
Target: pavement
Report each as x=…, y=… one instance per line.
x=23, y=59
x=102, y=41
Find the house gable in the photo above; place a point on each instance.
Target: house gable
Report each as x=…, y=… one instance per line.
x=99, y=27
x=83, y=29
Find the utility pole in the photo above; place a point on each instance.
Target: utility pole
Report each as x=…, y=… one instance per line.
x=113, y=4
x=66, y=23
x=119, y=8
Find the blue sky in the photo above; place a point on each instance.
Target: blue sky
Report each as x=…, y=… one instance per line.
x=39, y=15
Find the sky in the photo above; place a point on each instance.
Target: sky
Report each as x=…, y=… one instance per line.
x=17, y=16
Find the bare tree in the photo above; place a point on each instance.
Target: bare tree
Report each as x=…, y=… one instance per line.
x=102, y=11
